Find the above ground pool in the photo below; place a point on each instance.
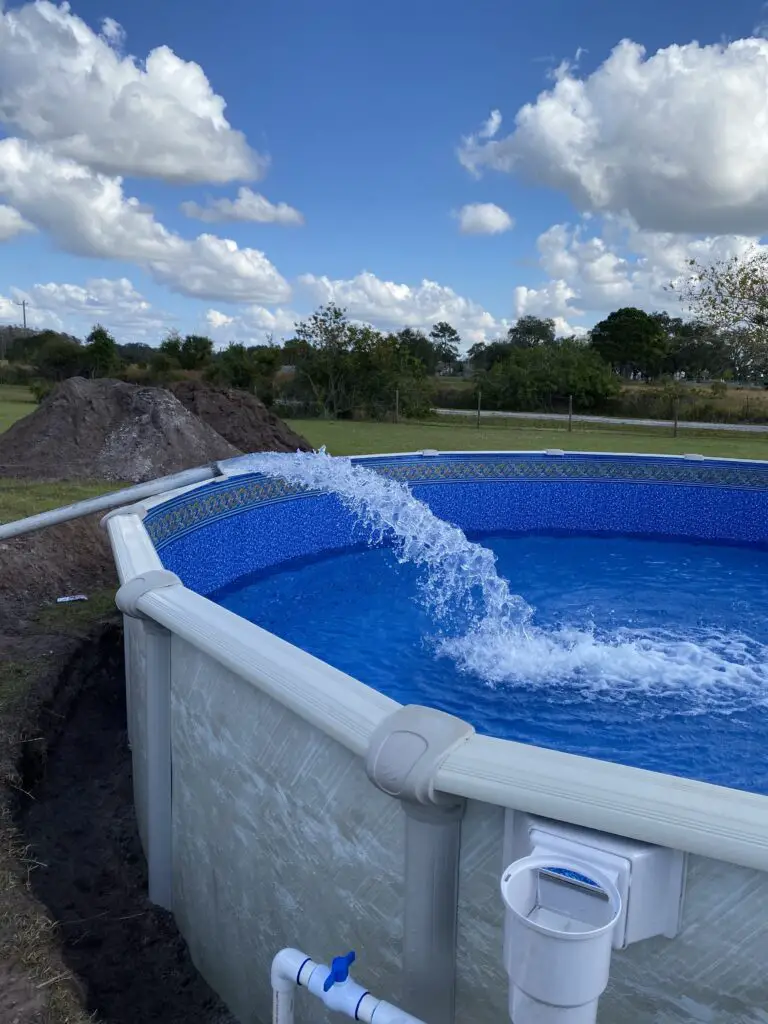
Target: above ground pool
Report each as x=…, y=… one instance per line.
x=613, y=607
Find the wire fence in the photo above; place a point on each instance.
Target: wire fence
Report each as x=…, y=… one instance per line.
x=494, y=421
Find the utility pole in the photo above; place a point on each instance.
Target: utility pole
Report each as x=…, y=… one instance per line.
x=23, y=305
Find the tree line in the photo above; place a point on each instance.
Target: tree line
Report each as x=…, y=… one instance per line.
x=336, y=367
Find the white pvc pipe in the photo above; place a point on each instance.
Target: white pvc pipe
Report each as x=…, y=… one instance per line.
x=106, y=501
x=291, y=969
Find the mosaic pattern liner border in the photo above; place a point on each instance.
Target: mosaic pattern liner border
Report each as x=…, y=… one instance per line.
x=172, y=519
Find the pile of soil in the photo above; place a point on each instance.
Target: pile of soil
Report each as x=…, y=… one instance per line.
x=108, y=430
x=239, y=417
x=71, y=558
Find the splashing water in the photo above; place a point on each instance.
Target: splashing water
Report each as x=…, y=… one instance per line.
x=459, y=573
x=487, y=631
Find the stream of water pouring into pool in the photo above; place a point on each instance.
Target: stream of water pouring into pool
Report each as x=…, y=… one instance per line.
x=458, y=573
x=488, y=630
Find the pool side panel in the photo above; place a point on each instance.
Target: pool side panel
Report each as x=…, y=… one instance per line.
x=279, y=839
x=713, y=972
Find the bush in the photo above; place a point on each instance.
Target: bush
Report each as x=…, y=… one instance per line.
x=41, y=389
x=16, y=374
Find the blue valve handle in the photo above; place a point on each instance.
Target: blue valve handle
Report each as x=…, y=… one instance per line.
x=339, y=971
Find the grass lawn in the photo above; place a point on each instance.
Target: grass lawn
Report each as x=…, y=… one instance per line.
x=348, y=438
x=15, y=402
x=20, y=498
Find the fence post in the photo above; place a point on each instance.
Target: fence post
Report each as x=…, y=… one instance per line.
x=570, y=413
x=397, y=405
x=677, y=414
x=479, y=406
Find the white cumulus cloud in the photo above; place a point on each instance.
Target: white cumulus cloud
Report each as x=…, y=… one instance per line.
x=114, y=302
x=248, y=206
x=11, y=313
x=252, y=324
x=66, y=87
x=87, y=214
x=678, y=139
x=592, y=274
x=484, y=219
x=390, y=306
x=12, y=223
x=491, y=126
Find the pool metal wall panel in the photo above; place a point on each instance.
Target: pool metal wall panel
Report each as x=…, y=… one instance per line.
x=279, y=839
x=712, y=973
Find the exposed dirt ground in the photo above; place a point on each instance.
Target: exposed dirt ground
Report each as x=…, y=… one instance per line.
x=78, y=938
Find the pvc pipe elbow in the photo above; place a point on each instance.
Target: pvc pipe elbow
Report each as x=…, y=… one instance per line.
x=286, y=966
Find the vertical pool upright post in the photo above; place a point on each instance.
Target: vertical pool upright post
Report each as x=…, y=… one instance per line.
x=158, y=796
x=404, y=755
x=157, y=712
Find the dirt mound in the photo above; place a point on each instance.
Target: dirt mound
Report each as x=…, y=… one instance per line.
x=239, y=417
x=71, y=558
x=108, y=430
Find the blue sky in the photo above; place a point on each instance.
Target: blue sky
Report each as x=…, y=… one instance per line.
x=362, y=111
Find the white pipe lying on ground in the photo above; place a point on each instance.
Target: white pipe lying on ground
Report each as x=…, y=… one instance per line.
x=107, y=501
x=292, y=968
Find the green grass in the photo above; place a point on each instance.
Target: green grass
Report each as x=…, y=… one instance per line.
x=76, y=615
x=350, y=438
x=15, y=402
x=20, y=498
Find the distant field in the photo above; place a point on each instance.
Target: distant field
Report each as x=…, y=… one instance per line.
x=348, y=438
x=351, y=438
x=15, y=402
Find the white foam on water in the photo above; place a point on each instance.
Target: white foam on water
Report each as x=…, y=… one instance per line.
x=497, y=640
x=714, y=671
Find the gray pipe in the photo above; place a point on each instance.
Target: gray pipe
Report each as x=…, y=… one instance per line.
x=107, y=501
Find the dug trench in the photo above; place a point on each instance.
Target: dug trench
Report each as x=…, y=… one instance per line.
x=75, y=814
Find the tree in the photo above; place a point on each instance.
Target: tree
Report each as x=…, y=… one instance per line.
x=545, y=376
x=729, y=294
x=59, y=357
x=732, y=296
x=344, y=369
x=446, y=342
x=327, y=368
x=171, y=346
x=101, y=352
x=631, y=341
x=694, y=348
x=195, y=352
x=234, y=368
x=136, y=352
x=420, y=347
x=530, y=331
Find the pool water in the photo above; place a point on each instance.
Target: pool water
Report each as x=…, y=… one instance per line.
x=642, y=652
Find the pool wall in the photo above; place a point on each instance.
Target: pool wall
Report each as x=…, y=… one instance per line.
x=261, y=826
